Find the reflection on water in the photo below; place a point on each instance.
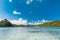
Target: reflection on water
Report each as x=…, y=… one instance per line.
x=29, y=33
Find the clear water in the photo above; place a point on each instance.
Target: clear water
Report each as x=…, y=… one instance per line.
x=29, y=33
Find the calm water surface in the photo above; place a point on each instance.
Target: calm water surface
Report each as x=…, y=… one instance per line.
x=29, y=33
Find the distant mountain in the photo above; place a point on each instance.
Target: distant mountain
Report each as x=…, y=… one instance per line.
x=5, y=22
x=53, y=23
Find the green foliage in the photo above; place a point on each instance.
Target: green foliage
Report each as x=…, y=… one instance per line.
x=5, y=22
x=49, y=24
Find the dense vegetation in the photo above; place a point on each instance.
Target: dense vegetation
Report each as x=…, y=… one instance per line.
x=6, y=23
x=50, y=24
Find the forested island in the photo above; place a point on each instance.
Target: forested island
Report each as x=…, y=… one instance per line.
x=55, y=23
x=6, y=23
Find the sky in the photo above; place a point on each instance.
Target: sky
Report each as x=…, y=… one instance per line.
x=30, y=10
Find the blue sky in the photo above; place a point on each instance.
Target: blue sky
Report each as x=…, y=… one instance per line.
x=31, y=10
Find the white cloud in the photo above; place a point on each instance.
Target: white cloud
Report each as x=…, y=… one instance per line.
x=10, y=0
x=43, y=21
x=28, y=1
x=39, y=22
x=1, y=19
x=15, y=12
x=19, y=21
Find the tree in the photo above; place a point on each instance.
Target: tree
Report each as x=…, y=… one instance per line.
x=5, y=22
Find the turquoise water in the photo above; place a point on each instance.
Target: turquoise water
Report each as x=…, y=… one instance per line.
x=29, y=33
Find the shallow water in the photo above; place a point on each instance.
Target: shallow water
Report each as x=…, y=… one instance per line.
x=29, y=33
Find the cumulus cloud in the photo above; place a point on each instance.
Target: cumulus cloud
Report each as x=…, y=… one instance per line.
x=39, y=22
x=1, y=19
x=20, y=21
x=43, y=21
x=10, y=0
x=15, y=12
x=28, y=1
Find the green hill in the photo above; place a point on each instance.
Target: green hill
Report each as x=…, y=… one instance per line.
x=5, y=22
x=53, y=23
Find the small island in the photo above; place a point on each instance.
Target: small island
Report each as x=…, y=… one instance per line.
x=6, y=23
x=55, y=23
